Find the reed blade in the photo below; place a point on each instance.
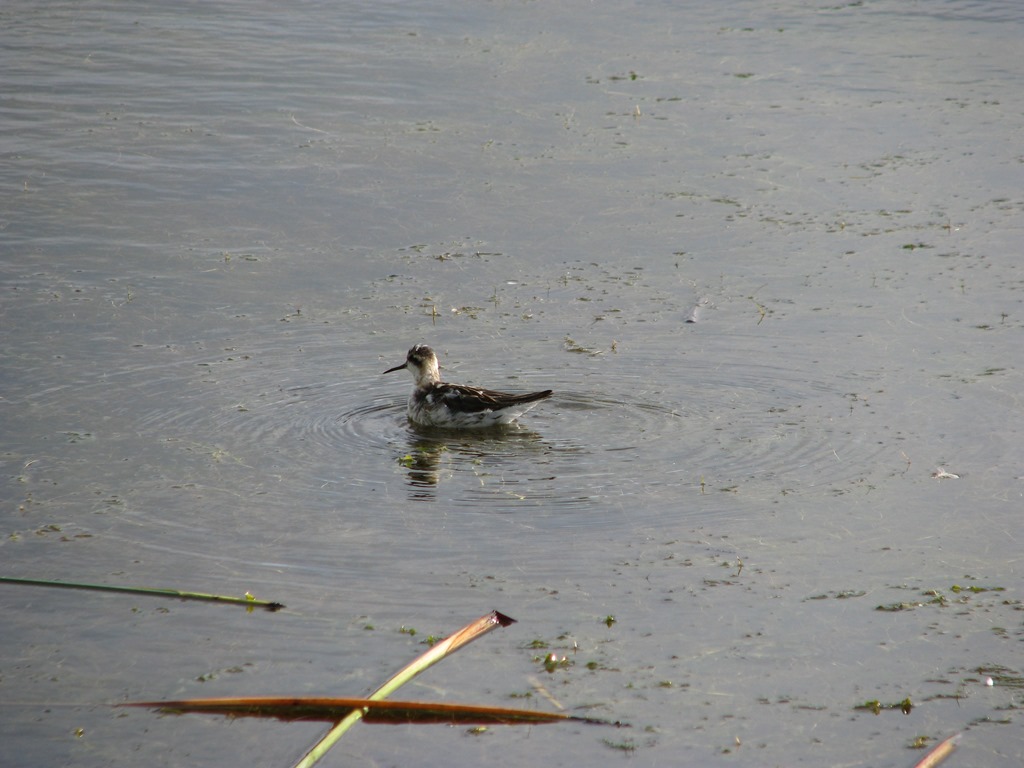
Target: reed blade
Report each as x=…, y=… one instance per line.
x=469, y=633
x=374, y=711
x=248, y=600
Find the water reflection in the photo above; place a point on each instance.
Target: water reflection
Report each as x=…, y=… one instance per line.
x=435, y=454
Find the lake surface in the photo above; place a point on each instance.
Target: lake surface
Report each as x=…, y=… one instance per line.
x=223, y=220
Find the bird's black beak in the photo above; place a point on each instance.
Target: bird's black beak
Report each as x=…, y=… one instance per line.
x=396, y=368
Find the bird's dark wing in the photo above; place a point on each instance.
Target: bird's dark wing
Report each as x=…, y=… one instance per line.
x=472, y=399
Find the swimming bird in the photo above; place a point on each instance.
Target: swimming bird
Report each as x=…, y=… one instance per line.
x=434, y=403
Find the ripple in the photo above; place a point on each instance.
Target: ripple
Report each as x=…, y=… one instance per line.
x=545, y=464
x=289, y=424
x=580, y=459
x=775, y=425
x=376, y=425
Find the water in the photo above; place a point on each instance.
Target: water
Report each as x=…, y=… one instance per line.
x=223, y=221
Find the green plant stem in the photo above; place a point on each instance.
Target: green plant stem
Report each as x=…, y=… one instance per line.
x=464, y=636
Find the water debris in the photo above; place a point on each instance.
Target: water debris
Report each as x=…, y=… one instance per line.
x=694, y=314
x=553, y=662
x=875, y=706
x=975, y=589
x=941, y=751
x=941, y=474
x=762, y=310
x=896, y=607
x=572, y=346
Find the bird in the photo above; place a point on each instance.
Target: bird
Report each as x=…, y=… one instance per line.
x=435, y=403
